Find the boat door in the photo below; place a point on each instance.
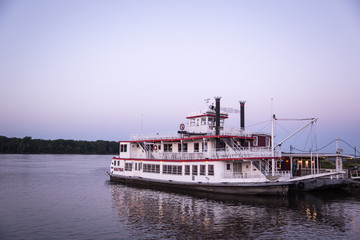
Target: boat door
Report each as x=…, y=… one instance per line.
x=237, y=168
x=138, y=166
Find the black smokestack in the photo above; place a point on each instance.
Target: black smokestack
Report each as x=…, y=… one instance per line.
x=242, y=115
x=217, y=118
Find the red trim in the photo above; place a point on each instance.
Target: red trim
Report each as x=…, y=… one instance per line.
x=189, y=138
x=194, y=160
x=206, y=115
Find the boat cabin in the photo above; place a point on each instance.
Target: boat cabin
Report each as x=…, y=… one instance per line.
x=204, y=122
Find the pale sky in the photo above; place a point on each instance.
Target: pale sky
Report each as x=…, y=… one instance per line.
x=106, y=69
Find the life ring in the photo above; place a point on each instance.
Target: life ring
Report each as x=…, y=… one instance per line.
x=155, y=147
x=182, y=127
x=300, y=185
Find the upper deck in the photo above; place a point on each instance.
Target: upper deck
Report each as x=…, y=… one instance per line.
x=174, y=136
x=204, y=136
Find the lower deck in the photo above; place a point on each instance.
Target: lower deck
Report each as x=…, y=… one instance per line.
x=209, y=171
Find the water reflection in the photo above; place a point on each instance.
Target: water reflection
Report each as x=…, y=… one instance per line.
x=325, y=207
x=161, y=214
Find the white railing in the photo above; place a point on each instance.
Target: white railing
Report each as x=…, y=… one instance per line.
x=241, y=175
x=283, y=174
x=172, y=135
x=235, y=132
x=244, y=153
x=355, y=174
x=337, y=176
x=151, y=136
x=179, y=156
x=229, y=131
x=220, y=154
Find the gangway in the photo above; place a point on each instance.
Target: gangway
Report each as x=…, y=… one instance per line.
x=313, y=176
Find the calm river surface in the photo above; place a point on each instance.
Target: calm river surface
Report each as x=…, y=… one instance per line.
x=70, y=197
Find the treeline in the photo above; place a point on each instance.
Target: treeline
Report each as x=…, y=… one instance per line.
x=60, y=146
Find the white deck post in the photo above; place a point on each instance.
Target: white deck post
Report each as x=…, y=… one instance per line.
x=317, y=163
x=272, y=146
x=311, y=164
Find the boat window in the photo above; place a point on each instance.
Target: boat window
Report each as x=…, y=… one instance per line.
x=204, y=146
x=267, y=142
x=194, y=170
x=202, y=169
x=123, y=148
x=192, y=122
x=211, y=121
x=255, y=143
x=184, y=149
x=179, y=170
x=172, y=169
x=203, y=121
x=187, y=169
x=136, y=166
x=128, y=166
x=196, y=147
x=151, y=168
x=211, y=170
x=168, y=147
x=228, y=166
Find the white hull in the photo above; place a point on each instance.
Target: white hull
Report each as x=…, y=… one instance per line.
x=266, y=188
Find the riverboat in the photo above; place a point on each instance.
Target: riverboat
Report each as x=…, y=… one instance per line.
x=203, y=155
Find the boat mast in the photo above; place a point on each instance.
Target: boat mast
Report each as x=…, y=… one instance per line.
x=272, y=140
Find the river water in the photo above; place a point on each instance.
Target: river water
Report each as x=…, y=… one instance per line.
x=70, y=197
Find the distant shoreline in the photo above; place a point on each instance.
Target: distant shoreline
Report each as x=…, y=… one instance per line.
x=27, y=145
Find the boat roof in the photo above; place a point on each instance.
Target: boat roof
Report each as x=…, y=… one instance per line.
x=315, y=154
x=189, y=138
x=206, y=115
